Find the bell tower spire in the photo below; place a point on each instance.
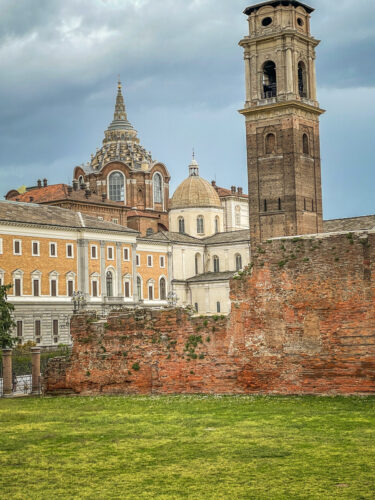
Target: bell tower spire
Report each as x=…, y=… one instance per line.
x=282, y=121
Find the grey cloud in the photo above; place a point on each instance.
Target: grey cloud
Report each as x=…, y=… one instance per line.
x=183, y=73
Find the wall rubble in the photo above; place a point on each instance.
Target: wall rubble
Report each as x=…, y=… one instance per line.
x=302, y=322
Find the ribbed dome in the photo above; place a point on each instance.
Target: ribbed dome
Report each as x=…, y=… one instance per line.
x=195, y=192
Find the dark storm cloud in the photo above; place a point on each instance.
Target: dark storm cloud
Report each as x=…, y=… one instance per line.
x=183, y=73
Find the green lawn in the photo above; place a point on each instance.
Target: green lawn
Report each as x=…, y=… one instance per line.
x=187, y=447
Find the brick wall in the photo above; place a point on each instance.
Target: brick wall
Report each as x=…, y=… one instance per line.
x=302, y=321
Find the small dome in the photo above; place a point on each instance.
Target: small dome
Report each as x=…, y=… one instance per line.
x=195, y=191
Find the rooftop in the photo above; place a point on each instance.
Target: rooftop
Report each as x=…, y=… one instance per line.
x=226, y=275
x=274, y=3
x=30, y=213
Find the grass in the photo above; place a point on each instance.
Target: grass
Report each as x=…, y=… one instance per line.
x=192, y=447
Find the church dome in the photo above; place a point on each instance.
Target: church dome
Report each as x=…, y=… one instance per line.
x=195, y=191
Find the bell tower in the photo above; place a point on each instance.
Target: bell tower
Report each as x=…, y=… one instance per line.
x=282, y=121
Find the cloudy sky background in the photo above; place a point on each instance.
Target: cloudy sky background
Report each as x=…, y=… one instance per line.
x=184, y=82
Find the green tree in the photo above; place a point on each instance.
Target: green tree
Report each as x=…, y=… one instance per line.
x=6, y=319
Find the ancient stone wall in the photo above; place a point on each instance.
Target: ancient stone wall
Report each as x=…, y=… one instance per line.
x=302, y=322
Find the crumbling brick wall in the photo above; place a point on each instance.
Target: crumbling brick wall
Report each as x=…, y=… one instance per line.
x=302, y=321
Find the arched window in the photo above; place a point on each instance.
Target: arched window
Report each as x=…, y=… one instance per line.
x=139, y=288
x=238, y=216
x=81, y=181
x=270, y=144
x=116, y=187
x=238, y=262
x=217, y=224
x=216, y=264
x=181, y=225
x=200, y=224
x=269, y=80
x=302, y=83
x=197, y=263
x=305, y=144
x=265, y=205
x=149, y=231
x=109, y=283
x=150, y=287
x=280, y=206
x=158, y=189
x=162, y=289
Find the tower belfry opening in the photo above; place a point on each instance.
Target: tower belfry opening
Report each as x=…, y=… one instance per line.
x=269, y=80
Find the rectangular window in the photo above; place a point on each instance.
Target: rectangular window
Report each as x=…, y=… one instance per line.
x=218, y=307
x=70, y=288
x=127, y=289
x=94, y=288
x=19, y=329
x=138, y=260
x=151, y=292
x=115, y=221
x=53, y=250
x=37, y=330
x=17, y=247
x=55, y=330
x=17, y=287
x=196, y=307
x=1, y=245
x=162, y=261
x=126, y=253
x=110, y=253
x=149, y=260
x=36, y=288
x=35, y=248
x=53, y=288
x=69, y=251
x=101, y=218
x=94, y=252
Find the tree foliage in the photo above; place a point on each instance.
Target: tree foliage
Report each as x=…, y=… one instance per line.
x=6, y=319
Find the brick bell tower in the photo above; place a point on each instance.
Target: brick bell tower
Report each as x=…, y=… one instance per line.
x=282, y=121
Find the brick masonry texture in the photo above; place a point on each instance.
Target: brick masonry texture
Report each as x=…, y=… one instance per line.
x=302, y=322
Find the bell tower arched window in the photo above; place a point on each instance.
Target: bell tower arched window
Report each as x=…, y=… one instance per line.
x=158, y=189
x=116, y=187
x=305, y=144
x=269, y=80
x=302, y=82
x=270, y=144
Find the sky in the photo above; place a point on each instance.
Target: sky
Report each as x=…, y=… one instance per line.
x=183, y=77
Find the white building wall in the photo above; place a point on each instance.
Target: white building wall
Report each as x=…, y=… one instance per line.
x=190, y=216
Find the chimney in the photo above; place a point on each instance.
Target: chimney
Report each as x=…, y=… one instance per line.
x=70, y=190
x=87, y=193
x=75, y=185
x=213, y=183
x=39, y=183
x=233, y=189
x=45, y=183
x=240, y=191
x=104, y=197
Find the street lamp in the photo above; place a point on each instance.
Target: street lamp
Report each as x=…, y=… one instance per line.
x=78, y=300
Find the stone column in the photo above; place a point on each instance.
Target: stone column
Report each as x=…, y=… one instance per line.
x=289, y=71
x=248, y=80
x=134, y=271
x=119, y=269
x=83, y=266
x=7, y=372
x=35, y=362
x=170, y=270
x=102, y=270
